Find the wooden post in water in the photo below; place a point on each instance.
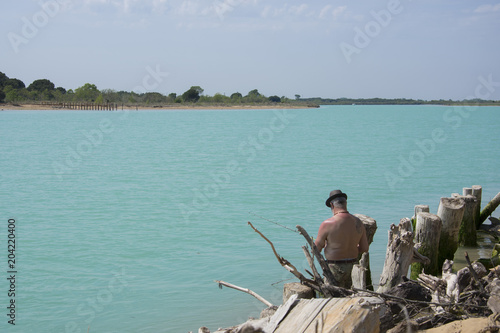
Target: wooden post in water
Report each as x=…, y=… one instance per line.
x=398, y=256
x=364, y=268
x=451, y=212
x=477, y=191
x=467, y=234
x=427, y=232
x=418, y=209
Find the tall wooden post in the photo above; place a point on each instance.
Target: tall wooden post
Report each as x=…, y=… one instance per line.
x=477, y=191
x=398, y=256
x=427, y=232
x=370, y=227
x=451, y=212
x=418, y=209
x=467, y=234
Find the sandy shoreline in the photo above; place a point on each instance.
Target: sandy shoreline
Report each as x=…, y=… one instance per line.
x=41, y=107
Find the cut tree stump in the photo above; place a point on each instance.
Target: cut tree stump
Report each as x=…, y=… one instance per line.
x=427, y=232
x=297, y=288
x=451, y=212
x=370, y=227
x=398, y=256
x=467, y=232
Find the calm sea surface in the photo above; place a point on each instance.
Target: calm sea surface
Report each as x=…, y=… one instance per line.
x=125, y=219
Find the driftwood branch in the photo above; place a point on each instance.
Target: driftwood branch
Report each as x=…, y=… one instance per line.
x=321, y=260
x=473, y=272
x=286, y=264
x=490, y=208
x=401, y=299
x=319, y=285
x=310, y=260
x=245, y=290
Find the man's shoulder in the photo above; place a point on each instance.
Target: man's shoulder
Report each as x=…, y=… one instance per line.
x=330, y=220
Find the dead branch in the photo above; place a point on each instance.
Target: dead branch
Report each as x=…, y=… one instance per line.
x=488, y=209
x=245, y=290
x=286, y=264
x=326, y=289
x=322, y=262
x=473, y=272
x=383, y=295
x=310, y=260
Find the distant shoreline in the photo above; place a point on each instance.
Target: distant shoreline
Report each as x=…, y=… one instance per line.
x=42, y=107
x=196, y=106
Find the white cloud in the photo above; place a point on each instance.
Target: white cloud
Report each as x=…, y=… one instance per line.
x=487, y=9
x=297, y=10
x=325, y=11
x=339, y=10
x=329, y=10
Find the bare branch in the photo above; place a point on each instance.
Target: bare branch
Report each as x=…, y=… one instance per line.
x=245, y=290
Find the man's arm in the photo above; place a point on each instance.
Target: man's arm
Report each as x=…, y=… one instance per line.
x=321, y=239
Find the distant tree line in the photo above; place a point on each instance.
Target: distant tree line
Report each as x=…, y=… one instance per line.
x=391, y=101
x=15, y=91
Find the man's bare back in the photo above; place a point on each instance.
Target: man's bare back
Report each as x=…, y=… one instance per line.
x=343, y=236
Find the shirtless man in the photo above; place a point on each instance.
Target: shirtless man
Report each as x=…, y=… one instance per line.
x=343, y=236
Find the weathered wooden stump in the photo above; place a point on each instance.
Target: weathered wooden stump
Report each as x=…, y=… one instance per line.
x=467, y=232
x=297, y=288
x=359, y=273
x=370, y=227
x=398, y=256
x=477, y=191
x=418, y=209
x=451, y=212
x=427, y=232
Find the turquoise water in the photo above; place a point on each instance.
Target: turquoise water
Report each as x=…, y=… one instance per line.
x=125, y=219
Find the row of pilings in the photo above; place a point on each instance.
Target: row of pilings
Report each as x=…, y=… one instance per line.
x=82, y=106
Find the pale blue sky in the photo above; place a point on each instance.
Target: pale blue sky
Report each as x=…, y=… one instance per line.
x=425, y=49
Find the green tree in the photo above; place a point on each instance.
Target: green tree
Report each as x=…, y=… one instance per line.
x=88, y=92
x=198, y=89
x=297, y=96
x=274, y=99
x=253, y=93
x=3, y=78
x=2, y=96
x=236, y=96
x=41, y=85
x=99, y=99
x=154, y=97
x=61, y=90
x=192, y=95
x=14, y=83
x=12, y=96
x=219, y=98
x=254, y=97
x=172, y=97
